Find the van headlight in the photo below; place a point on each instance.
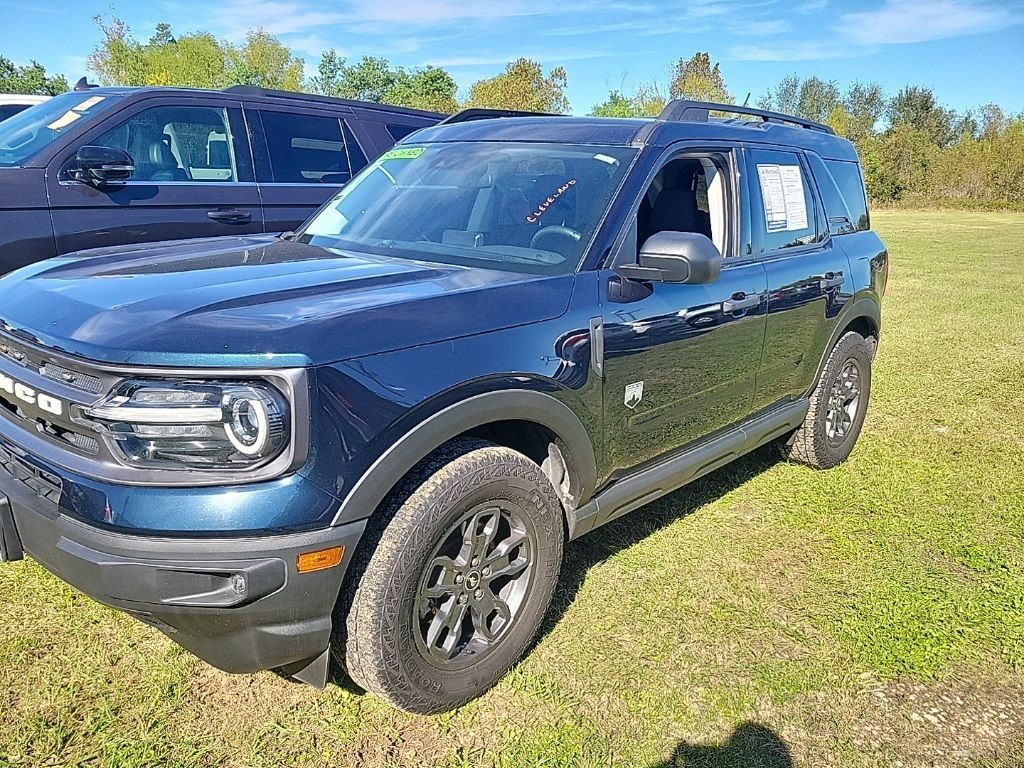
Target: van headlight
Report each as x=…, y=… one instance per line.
x=196, y=424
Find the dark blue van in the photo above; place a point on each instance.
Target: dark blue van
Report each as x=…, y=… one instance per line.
x=112, y=166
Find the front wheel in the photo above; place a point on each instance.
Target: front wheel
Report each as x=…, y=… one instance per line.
x=459, y=581
x=838, y=406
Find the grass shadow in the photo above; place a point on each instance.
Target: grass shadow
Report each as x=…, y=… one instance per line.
x=593, y=548
x=751, y=745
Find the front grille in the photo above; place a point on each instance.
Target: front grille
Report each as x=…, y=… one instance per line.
x=45, y=485
x=77, y=379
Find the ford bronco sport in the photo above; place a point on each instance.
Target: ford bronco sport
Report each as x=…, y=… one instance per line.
x=367, y=443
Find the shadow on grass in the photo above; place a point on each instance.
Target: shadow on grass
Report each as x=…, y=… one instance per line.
x=751, y=745
x=593, y=548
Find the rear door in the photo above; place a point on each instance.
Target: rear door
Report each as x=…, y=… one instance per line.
x=193, y=177
x=303, y=157
x=808, y=280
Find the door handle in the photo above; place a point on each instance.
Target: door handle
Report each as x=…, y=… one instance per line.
x=831, y=280
x=740, y=302
x=229, y=216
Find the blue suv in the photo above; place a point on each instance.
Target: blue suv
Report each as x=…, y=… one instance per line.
x=367, y=443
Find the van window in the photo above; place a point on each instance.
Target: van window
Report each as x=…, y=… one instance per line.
x=840, y=222
x=176, y=143
x=851, y=185
x=307, y=149
x=783, y=210
x=399, y=132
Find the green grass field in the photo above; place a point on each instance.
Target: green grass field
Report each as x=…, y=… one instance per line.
x=872, y=615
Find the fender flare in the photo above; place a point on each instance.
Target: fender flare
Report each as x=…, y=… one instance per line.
x=521, y=405
x=865, y=307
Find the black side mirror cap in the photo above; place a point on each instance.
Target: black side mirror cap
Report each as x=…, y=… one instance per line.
x=101, y=165
x=676, y=257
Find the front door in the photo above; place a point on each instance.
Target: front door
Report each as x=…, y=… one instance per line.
x=680, y=360
x=193, y=178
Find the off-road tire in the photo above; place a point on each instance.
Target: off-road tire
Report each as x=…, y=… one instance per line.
x=810, y=444
x=380, y=649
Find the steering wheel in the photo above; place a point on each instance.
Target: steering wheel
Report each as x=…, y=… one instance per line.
x=553, y=230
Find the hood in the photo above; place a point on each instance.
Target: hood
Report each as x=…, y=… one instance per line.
x=260, y=301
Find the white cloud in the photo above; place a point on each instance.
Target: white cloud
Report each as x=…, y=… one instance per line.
x=907, y=21
x=279, y=17
x=504, y=58
x=790, y=52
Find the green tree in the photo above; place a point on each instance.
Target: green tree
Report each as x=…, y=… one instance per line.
x=616, y=105
x=813, y=98
x=522, y=86
x=695, y=78
x=31, y=78
x=917, y=107
x=264, y=62
x=196, y=59
x=374, y=79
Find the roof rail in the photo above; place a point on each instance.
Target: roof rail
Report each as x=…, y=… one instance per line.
x=686, y=111
x=250, y=90
x=479, y=113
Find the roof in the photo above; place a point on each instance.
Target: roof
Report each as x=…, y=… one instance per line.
x=637, y=132
x=244, y=91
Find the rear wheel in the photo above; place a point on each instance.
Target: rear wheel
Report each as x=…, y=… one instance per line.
x=459, y=581
x=838, y=406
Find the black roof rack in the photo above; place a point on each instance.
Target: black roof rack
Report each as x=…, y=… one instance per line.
x=250, y=90
x=479, y=113
x=686, y=111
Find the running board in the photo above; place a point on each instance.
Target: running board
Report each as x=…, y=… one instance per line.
x=676, y=471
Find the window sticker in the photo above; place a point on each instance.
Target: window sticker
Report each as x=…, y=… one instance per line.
x=782, y=191
x=404, y=153
x=549, y=201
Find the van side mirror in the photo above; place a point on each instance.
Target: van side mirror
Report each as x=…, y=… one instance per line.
x=676, y=257
x=101, y=165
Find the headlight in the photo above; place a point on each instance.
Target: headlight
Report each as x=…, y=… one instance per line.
x=198, y=424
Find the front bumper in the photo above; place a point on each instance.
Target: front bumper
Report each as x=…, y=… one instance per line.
x=239, y=603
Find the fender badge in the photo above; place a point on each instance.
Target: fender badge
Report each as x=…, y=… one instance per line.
x=634, y=394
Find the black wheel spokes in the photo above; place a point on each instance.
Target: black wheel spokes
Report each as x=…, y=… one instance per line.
x=474, y=585
x=843, y=403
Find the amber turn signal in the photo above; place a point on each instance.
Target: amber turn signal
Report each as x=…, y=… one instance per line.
x=317, y=561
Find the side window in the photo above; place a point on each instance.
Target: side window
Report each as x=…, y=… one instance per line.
x=176, y=143
x=851, y=185
x=840, y=222
x=783, y=210
x=308, y=149
x=399, y=132
x=688, y=194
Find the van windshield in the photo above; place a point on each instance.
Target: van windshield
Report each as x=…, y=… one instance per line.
x=516, y=207
x=28, y=132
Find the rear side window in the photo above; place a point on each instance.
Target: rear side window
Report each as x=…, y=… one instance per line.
x=848, y=179
x=783, y=208
x=399, y=132
x=840, y=222
x=311, y=150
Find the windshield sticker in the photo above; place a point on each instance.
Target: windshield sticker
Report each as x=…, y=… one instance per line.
x=89, y=103
x=782, y=191
x=64, y=120
x=548, y=202
x=606, y=159
x=404, y=153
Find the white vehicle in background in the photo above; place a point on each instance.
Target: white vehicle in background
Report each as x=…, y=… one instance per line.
x=13, y=103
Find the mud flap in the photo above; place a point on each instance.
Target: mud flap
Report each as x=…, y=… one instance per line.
x=10, y=543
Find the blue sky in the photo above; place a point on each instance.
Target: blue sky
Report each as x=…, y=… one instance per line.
x=970, y=51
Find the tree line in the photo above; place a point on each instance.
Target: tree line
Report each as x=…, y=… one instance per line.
x=913, y=149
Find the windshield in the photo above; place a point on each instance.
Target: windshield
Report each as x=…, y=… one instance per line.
x=516, y=207
x=28, y=132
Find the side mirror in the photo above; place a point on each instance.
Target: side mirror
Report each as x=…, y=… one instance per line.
x=101, y=165
x=676, y=257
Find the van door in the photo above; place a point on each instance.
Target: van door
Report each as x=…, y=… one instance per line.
x=193, y=177
x=303, y=157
